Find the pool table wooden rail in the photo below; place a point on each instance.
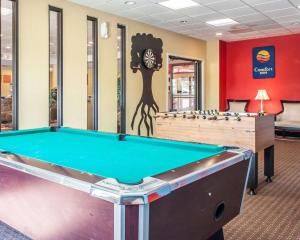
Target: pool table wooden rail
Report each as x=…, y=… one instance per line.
x=109, y=189
x=46, y=201
x=44, y=206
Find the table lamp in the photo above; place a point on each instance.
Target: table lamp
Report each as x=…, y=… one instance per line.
x=262, y=95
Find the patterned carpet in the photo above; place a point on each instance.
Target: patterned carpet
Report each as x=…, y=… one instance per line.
x=274, y=214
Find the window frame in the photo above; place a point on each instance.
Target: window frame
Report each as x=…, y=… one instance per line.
x=59, y=11
x=95, y=71
x=123, y=30
x=15, y=65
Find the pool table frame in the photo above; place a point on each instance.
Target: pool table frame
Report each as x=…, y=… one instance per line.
x=177, y=204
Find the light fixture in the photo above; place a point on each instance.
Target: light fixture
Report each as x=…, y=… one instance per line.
x=219, y=34
x=299, y=6
x=222, y=22
x=130, y=2
x=6, y=11
x=179, y=4
x=8, y=47
x=183, y=21
x=104, y=30
x=262, y=95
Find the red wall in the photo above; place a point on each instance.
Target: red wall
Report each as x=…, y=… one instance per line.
x=236, y=81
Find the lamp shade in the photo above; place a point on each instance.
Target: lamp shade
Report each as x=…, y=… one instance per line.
x=262, y=95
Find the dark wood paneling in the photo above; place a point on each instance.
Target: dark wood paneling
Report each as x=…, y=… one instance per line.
x=46, y=211
x=189, y=212
x=132, y=222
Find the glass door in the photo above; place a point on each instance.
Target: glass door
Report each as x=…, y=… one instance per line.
x=184, y=84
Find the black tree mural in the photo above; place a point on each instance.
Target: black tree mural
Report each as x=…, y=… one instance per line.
x=146, y=57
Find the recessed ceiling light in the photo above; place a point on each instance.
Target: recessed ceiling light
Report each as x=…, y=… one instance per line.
x=130, y=2
x=219, y=34
x=178, y=4
x=222, y=22
x=299, y=6
x=8, y=47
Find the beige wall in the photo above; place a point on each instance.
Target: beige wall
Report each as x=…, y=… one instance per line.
x=34, y=80
x=212, y=74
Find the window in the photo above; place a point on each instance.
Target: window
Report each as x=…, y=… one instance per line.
x=92, y=76
x=184, y=84
x=55, y=66
x=9, y=61
x=121, y=90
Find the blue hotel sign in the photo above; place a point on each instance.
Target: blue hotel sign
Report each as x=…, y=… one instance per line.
x=263, y=62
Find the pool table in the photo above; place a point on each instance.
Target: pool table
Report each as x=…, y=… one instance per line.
x=70, y=184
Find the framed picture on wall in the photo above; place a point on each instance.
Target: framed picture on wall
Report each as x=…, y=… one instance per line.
x=263, y=59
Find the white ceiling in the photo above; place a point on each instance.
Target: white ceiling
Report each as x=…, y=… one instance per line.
x=257, y=18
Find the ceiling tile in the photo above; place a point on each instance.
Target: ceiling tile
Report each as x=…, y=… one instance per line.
x=209, y=17
x=295, y=2
x=196, y=11
x=256, y=18
x=237, y=12
x=169, y=16
x=291, y=19
x=251, y=18
x=260, y=23
x=255, y=2
x=267, y=27
x=282, y=12
x=271, y=6
x=226, y=5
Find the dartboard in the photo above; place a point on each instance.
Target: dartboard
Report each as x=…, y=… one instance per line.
x=149, y=58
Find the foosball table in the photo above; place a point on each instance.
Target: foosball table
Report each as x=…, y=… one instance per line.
x=248, y=130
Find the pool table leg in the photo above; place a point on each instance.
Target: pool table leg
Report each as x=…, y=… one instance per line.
x=253, y=175
x=218, y=235
x=269, y=163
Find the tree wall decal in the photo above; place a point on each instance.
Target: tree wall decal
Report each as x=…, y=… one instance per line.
x=146, y=57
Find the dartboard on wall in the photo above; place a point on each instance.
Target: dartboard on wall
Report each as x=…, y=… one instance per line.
x=149, y=58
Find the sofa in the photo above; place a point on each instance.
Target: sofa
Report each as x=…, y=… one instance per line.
x=288, y=120
x=234, y=105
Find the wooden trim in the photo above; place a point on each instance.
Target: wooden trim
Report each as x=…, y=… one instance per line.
x=53, y=205
x=191, y=212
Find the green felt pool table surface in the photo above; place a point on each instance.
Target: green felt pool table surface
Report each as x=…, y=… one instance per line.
x=103, y=154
